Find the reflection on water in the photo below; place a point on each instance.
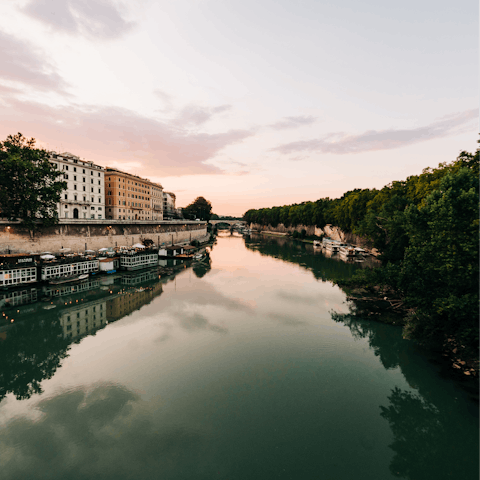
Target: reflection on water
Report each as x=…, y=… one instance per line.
x=323, y=265
x=235, y=368
x=35, y=338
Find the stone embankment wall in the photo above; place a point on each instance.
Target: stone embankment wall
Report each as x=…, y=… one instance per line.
x=82, y=236
x=281, y=229
x=329, y=231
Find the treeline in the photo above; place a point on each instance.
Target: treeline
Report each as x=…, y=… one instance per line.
x=375, y=214
x=427, y=229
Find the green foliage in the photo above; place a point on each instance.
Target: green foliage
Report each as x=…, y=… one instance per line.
x=29, y=190
x=199, y=208
x=440, y=271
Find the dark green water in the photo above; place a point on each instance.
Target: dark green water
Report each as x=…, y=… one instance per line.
x=234, y=369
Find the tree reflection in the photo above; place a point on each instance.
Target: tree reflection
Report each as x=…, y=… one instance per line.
x=423, y=440
x=200, y=269
x=425, y=422
x=31, y=352
x=386, y=342
x=322, y=267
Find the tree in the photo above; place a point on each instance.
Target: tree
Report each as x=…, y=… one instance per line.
x=200, y=208
x=439, y=274
x=29, y=189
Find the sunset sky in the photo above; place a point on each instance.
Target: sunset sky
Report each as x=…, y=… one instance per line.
x=249, y=103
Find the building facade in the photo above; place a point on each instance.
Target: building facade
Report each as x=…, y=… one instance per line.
x=156, y=197
x=127, y=197
x=84, y=197
x=169, y=210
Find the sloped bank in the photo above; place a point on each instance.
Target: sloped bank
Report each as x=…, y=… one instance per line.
x=330, y=231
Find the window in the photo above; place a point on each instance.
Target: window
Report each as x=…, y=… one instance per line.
x=74, y=187
x=91, y=181
x=99, y=200
x=75, y=197
x=92, y=215
x=91, y=173
x=84, y=189
x=99, y=208
x=92, y=189
x=66, y=197
x=99, y=182
x=92, y=208
x=84, y=198
x=84, y=180
x=65, y=176
x=93, y=199
x=98, y=173
x=75, y=168
x=75, y=177
x=84, y=171
x=99, y=190
x=66, y=167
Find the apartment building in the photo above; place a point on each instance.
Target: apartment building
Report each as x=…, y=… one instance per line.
x=84, y=197
x=129, y=197
x=169, y=210
x=156, y=198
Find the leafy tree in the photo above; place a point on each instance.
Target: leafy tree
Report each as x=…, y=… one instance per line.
x=440, y=272
x=29, y=189
x=199, y=208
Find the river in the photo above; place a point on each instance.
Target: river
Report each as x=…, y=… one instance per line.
x=237, y=368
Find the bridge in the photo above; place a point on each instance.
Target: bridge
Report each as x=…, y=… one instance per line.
x=229, y=223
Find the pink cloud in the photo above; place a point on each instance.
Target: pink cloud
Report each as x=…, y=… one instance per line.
x=293, y=122
x=21, y=62
x=342, y=143
x=99, y=19
x=108, y=135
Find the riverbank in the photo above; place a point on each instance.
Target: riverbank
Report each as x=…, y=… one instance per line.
x=93, y=235
x=383, y=304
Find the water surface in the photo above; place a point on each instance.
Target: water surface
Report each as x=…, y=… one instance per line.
x=233, y=369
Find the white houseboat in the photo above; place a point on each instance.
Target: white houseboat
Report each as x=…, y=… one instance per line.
x=132, y=260
x=18, y=270
x=69, y=268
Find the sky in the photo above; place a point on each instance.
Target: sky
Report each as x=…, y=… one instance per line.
x=248, y=103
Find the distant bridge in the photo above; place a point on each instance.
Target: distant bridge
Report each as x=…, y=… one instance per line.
x=229, y=222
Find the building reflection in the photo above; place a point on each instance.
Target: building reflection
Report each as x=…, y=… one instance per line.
x=84, y=319
x=38, y=325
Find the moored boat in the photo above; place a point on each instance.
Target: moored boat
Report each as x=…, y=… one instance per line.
x=18, y=270
x=68, y=279
x=347, y=251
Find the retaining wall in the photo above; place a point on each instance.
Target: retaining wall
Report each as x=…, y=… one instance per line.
x=82, y=236
x=329, y=230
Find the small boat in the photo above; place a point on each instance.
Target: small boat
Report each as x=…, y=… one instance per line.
x=68, y=279
x=347, y=252
x=317, y=243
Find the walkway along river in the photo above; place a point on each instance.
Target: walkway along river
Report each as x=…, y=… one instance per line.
x=235, y=368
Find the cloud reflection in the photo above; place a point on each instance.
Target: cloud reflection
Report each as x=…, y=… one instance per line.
x=106, y=432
